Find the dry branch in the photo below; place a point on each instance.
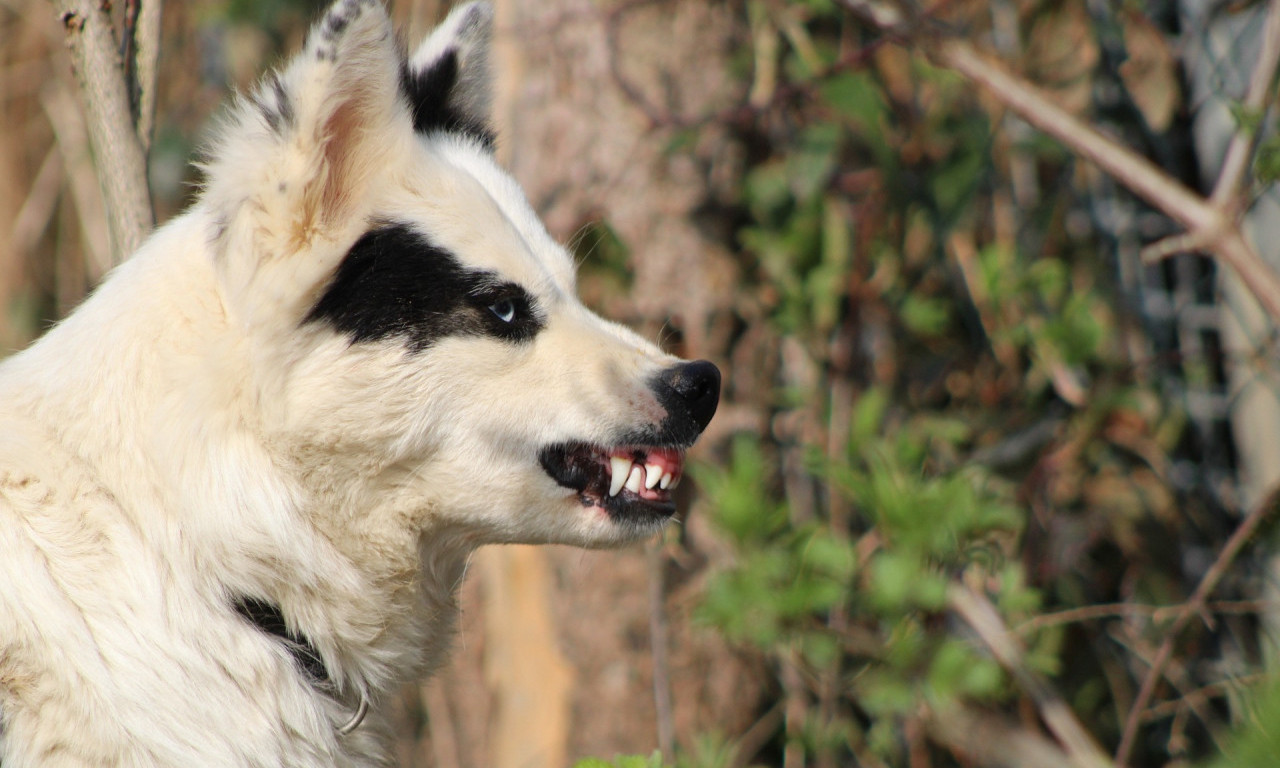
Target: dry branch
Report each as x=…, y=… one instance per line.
x=978, y=612
x=1212, y=225
x=659, y=641
x=1227, y=192
x=113, y=130
x=989, y=740
x=143, y=56
x=1191, y=609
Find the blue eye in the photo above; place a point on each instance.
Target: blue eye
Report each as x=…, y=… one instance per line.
x=504, y=310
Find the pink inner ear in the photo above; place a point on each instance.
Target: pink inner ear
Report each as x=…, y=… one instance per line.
x=342, y=136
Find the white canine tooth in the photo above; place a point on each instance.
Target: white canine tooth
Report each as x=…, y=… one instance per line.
x=635, y=479
x=652, y=475
x=619, y=467
x=665, y=482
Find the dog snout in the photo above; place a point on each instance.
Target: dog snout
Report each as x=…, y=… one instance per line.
x=693, y=390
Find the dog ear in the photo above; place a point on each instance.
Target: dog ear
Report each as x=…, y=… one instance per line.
x=294, y=162
x=305, y=144
x=448, y=79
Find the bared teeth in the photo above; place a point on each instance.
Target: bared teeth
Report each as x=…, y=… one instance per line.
x=620, y=468
x=660, y=468
x=635, y=479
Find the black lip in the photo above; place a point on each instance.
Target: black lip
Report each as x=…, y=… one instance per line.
x=627, y=507
x=578, y=467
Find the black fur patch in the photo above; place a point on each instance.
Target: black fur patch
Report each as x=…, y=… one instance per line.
x=269, y=619
x=273, y=103
x=335, y=22
x=395, y=283
x=430, y=95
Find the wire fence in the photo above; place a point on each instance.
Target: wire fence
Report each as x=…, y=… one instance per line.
x=1207, y=341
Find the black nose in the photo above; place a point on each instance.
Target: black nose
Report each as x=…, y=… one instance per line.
x=691, y=390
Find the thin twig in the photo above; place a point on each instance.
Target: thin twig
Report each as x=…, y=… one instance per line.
x=72, y=141
x=1183, y=242
x=1192, y=608
x=1228, y=194
x=989, y=740
x=660, y=647
x=1227, y=191
x=749, y=744
x=1156, y=613
x=796, y=696
x=1201, y=695
x=127, y=52
x=146, y=45
x=978, y=612
x=444, y=736
x=37, y=210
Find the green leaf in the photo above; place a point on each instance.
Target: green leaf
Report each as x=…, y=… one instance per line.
x=810, y=166
x=624, y=761
x=856, y=96
x=892, y=580
x=868, y=417
x=925, y=315
x=957, y=670
x=1266, y=163
x=765, y=190
x=955, y=182
x=827, y=283
x=742, y=505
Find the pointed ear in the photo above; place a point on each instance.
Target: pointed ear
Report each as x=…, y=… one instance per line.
x=300, y=150
x=448, y=81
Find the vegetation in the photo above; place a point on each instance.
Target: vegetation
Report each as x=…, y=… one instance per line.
x=965, y=531
x=962, y=420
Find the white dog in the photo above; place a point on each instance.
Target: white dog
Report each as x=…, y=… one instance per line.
x=239, y=485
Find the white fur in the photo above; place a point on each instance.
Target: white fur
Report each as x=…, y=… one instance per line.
x=184, y=438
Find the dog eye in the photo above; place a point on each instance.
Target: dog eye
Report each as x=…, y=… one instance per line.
x=504, y=310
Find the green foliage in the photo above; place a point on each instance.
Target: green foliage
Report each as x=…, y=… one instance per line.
x=267, y=14
x=604, y=271
x=1266, y=164
x=790, y=579
x=922, y=337
x=952, y=399
x=624, y=761
x=1256, y=740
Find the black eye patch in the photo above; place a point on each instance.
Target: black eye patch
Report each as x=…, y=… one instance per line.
x=395, y=283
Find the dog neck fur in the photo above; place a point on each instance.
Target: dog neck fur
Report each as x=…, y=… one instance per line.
x=303, y=150
x=207, y=428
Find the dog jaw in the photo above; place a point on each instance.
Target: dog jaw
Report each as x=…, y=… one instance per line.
x=248, y=411
x=629, y=484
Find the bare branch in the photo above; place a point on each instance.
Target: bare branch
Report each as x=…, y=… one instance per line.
x=990, y=740
x=1201, y=695
x=1158, y=613
x=1206, y=222
x=978, y=612
x=1226, y=193
x=72, y=141
x=119, y=156
x=141, y=54
x=1191, y=609
x=444, y=736
x=660, y=643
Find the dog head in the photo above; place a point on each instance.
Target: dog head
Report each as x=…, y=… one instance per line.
x=417, y=349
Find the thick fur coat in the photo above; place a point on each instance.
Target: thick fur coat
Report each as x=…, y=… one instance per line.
x=240, y=484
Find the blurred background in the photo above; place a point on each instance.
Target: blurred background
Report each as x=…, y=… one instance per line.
x=955, y=371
